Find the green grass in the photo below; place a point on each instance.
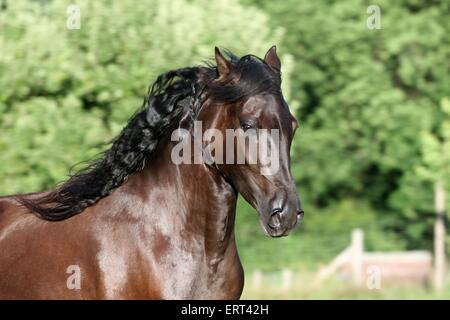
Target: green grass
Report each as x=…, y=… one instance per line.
x=303, y=288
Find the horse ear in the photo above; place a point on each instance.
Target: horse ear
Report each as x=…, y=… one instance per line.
x=223, y=65
x=271, y=58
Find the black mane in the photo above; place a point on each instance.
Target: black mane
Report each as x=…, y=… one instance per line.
x=171, y=94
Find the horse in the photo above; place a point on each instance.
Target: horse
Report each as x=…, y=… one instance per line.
x=133, y=224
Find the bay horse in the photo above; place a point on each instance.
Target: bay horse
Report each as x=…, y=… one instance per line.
x=134, y=225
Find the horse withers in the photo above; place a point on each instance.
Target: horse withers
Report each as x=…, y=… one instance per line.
x=138, y=223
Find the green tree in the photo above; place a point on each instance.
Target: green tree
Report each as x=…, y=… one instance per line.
x=366, y=95
x=64, y=92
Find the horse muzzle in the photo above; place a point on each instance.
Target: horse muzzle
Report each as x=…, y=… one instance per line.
x=279, y=221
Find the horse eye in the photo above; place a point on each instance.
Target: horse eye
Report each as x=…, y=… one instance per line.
x=246, y=126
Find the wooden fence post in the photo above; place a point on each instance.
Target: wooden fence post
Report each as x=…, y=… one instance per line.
x=357, y=256
x=439, y=237
x=286, y=279
x=257, y=279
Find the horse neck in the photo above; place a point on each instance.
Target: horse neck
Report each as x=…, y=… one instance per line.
x=193, y=198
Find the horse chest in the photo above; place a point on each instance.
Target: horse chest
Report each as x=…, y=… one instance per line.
x=176, y=272
x=189, y=274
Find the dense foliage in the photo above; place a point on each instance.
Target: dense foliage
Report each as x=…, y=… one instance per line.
x=66, y=91
x=373, y=110
x=373, y=103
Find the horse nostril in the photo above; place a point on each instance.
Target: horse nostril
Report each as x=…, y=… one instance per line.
x=300, y=215
x=275, y=211
x=275, y=218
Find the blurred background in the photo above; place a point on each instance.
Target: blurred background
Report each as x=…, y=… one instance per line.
x=370, y=88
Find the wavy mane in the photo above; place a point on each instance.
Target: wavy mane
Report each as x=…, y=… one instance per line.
x=172, y=94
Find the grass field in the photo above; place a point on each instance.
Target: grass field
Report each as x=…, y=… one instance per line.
x=302, y=288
